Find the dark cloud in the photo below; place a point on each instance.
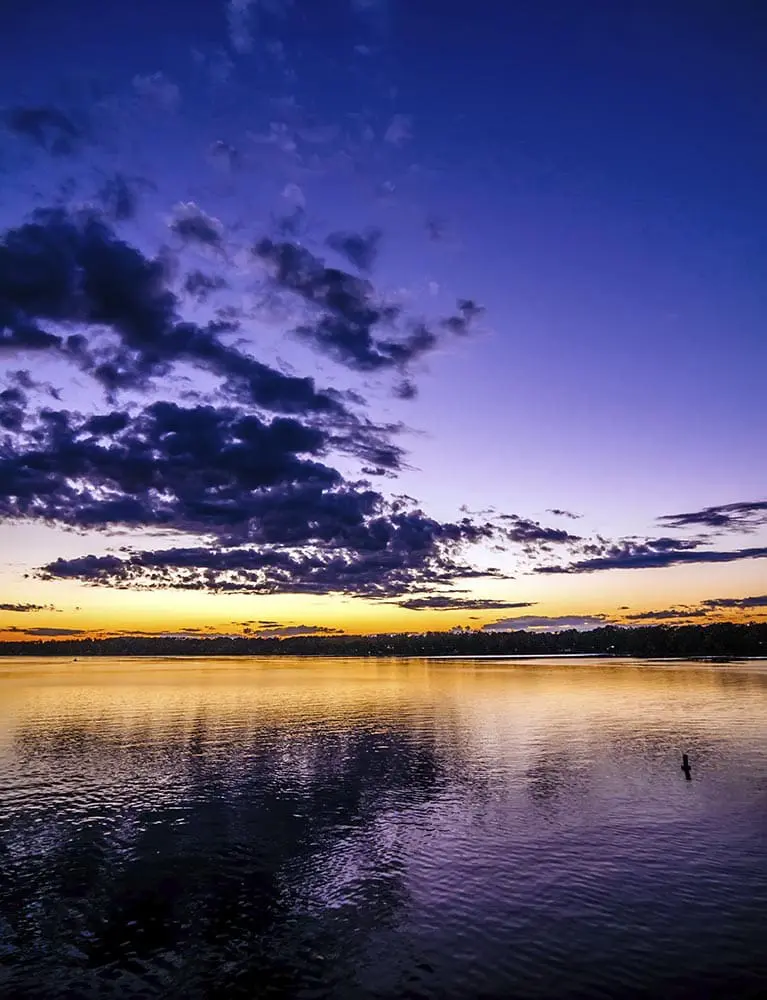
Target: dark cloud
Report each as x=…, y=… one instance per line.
x=559, y=512
x=532, y=534
x=25, y=608
x=638, y=546
x=466, y=315
x=22, y=379
x=360, y=249
x=282, y=519
x=193, y=225
x=13, y=404
x=275, y=516
x=444, y=603
x=47, y=127
x=201, y=285
x=262, y=571
x=386, y=555
x=119, y=196
x=43, y=633
x=283, y=631
x=705, y=608
x=15, y=398
x=664, y=615
x=405, y=390
x=62, y=270
x=20, y=337
x=185, y=468
x=744, y=516
x=652, y=553
x=352, y=326
x=736, y=602
x=543, y=623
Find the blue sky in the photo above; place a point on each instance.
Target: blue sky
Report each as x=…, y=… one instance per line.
x=591, y=175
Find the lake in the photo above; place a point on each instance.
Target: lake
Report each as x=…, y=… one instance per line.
x=516, y=828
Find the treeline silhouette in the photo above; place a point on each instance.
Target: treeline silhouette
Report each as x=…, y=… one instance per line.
x=724, y=639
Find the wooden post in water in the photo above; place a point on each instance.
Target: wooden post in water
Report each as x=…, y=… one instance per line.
x=686, y=766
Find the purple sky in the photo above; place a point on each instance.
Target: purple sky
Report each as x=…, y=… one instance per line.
x=544, y=223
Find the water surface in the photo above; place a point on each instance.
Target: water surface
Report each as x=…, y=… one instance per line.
x=356, y=828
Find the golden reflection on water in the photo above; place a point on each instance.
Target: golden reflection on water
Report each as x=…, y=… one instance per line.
x=503, y=703
x=473, y=827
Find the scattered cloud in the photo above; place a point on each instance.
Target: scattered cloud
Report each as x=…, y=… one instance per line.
x=217, y=65
x=360, y=249
x=653, y=554
x=25, y=608
x=707, y=607
x=665, y=615
x=77, y=272
x=238, y=15
x=347, y=321
x=119, y=196
x=45, y=633
x=532, y=535
x=45, y=126
x=294, y=195
x=276, y=516
x=302, y=550
x=193, y=225
x=399, y=130
x=318, y=135
x=200, y=285
x=465, y=318
x=543, y=623
x=717, y=603
x=445, y=603
x=244, y=16
x=254, y=482
x=13, y=403
x=284, y=631
x=225, y=154
x=436, y=228
x=157, y=89
x=171, y=466
x=744, y=517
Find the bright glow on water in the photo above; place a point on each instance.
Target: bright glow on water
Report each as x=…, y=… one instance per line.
x=350, y=828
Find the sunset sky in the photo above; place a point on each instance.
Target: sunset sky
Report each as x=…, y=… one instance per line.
x=381, y=315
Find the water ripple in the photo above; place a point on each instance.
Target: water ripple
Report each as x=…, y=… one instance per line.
x=382, y=829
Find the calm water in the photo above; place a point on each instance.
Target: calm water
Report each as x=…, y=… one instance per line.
x=346, y=828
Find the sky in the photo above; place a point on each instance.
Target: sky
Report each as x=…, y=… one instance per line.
x=375, y=315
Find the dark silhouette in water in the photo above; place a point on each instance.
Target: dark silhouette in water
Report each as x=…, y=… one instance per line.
x=686, y=767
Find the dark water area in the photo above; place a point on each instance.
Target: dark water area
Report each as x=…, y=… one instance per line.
x=302, y=828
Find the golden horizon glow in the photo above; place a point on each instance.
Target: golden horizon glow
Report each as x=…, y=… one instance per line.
x=97, y=611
